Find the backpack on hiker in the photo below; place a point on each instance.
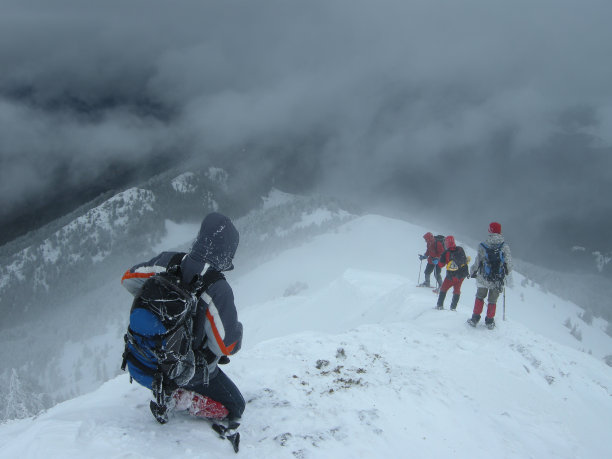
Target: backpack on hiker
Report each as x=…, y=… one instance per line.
x=158, y=344
x=458, y=262
x=494, y=264
x=439, y=238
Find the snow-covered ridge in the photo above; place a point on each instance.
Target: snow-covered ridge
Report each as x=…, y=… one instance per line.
x=183, y=184
x=601, y=260
x=276, y=198
x=316, y=217
x=89, y=237
x=285, y=220
x=358, y=363
x=126, y=224
x=113, y=233
x=190, y=182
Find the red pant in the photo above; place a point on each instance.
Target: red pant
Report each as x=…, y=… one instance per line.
x=479, y=305
x=454, y=282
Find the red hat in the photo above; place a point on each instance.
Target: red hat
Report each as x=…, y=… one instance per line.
x=449, y=242
x=495, y=227
x=428, y=236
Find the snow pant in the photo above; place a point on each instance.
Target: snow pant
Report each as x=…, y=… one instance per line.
x=436, y=270
x=481, y=294
x=450, y=281
x=220, y=389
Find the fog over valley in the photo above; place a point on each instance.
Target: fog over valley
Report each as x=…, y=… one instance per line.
x=334, y=134
x=459, y=113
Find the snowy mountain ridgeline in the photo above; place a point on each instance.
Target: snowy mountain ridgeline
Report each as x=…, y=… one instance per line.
x=602, y=261
x=62, y=305
x=46, y=263
x=343, y=357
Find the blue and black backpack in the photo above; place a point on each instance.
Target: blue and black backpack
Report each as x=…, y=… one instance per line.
x=494, y=266
x=158, y=344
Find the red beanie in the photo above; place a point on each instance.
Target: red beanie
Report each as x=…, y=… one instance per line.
x=495, y=228
x=428, y=236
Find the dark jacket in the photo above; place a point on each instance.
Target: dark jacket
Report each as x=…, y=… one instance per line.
x=455, y=254
x=217, y=330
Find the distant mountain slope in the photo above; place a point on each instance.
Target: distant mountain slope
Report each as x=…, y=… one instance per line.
x=45, y=264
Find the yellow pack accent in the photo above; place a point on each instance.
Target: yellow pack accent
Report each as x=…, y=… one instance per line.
x=452, y=266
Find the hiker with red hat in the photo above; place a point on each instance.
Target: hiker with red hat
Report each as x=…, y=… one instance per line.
x=456, y=263
x=491, y=269
x=435, y=247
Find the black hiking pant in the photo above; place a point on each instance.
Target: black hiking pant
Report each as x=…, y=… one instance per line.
x=433, y=268
x=219, y=388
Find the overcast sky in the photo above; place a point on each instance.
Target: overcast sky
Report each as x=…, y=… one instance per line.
x=477, y=110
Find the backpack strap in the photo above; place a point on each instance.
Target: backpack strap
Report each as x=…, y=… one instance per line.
x=204, y=282
x=480, y=267
x=174, y=265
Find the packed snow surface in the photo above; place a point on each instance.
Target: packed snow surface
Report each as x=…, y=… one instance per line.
x=345, y=357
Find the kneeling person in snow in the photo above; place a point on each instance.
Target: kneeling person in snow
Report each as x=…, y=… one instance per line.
x=492, y=265
x=455, y=260
x=214, y=331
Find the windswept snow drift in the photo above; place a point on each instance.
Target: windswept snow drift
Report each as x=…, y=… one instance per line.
x=344, y=357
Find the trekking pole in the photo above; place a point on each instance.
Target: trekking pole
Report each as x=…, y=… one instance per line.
x=504, y=303
x=420, y=266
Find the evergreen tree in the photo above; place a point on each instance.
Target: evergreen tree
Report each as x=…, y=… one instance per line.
x=20, y=402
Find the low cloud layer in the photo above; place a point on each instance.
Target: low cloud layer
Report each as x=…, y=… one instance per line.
x=477, y=110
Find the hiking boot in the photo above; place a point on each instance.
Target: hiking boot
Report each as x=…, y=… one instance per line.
x=424, y=284
x=454, y=302
x=473, y=321
x=490, y=323
x=436, y=290
x=159, y=412
x=441, y=297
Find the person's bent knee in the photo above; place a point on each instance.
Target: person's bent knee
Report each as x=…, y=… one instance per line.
x=481, y=293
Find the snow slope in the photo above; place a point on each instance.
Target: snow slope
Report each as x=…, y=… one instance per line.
x=344, y=357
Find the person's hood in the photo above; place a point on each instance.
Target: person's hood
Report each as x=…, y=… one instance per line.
x=449, y=242
x=215, y=245
x=494, y=238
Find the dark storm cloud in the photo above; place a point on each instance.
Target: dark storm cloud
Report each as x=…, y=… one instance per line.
x=392, y=97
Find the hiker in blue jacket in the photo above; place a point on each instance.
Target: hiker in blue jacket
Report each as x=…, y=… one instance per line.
x=217, y=333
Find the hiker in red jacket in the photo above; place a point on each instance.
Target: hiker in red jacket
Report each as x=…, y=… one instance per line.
x=457, y=270
x=435, y=247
